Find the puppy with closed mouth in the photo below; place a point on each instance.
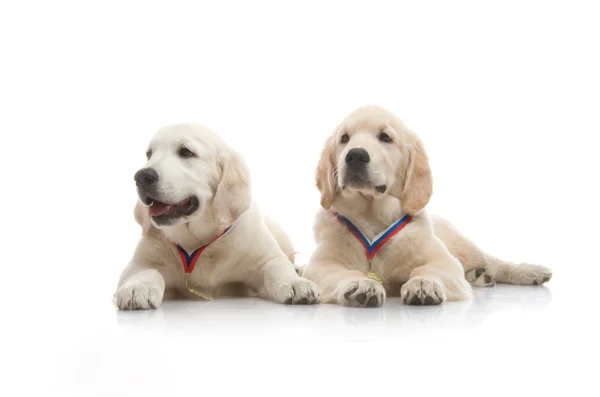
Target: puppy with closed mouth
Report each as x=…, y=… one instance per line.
x=202, y=236
x=374, y=237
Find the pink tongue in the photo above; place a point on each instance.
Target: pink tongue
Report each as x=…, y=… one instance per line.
x=158, y=209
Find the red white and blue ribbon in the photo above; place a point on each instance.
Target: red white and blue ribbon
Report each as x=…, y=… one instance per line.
x=189, y=260
x=371, y=247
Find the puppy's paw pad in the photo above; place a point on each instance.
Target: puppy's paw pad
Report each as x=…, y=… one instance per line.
x=136, y=295
x=480, y=278
x=526, y=274
x=300, y=292
x=363, y=293
x=421, y=291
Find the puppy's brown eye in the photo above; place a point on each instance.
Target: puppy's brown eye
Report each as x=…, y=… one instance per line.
x=345, y=138
x=185, y=152
x=149, y=154
x=383, y=137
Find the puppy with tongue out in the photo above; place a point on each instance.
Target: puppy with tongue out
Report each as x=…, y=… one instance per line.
x=202, y=236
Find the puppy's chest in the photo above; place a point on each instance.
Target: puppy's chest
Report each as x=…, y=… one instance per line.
x=370, y=229
x=205, y=272
x=201, y=267
x=381, y=244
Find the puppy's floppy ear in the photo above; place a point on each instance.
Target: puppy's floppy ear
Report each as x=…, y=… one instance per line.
x=140, y=213
x=414, y=185
x=326, y=174
x=233, y=196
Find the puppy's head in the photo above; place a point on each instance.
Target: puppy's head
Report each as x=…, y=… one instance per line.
x=190, y=171
x=372, y=153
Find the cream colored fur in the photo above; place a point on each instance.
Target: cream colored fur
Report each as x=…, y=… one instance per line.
x=254, y=259
x=426, y=262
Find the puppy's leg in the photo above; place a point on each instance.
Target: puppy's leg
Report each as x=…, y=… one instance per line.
x=473, y=260
x=496, y=270
x=338, y=284
x=284, y=242
x=142, y=287
x=521, y=274
x=277, y=280
x=436, y=282
x=483, y=270
x=480, y=277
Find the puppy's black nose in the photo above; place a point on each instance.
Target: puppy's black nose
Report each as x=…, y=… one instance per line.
x=357, y=157
x=145, y=177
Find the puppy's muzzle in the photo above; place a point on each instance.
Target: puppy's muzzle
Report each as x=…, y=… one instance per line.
x=357, y=159
x=145, y=178
x=146, y=181
x=356, y=174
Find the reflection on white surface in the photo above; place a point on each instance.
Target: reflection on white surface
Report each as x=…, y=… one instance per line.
x=237, y=345
x=243, y=317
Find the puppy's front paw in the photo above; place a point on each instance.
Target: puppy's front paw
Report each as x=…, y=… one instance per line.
x=421, y=291
x=362, y=293
x=297, y=292
x=135, y=295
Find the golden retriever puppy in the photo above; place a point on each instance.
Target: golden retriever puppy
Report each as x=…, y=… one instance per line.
x=201, y=233
x=373, y=235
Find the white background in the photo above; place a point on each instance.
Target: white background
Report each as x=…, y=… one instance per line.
x=505, y=95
